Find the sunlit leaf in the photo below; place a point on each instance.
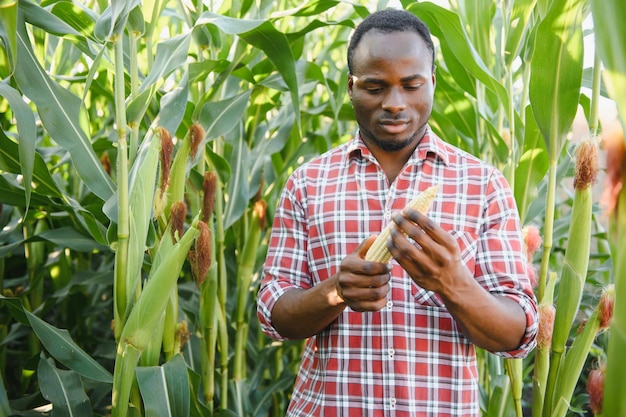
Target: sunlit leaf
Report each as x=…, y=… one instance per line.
x=171, y=54
x=220, y=117
x=556, y=72
x=60, y=110
x=446, y=26
x=80, y=18
x=8, y=34
x=532, y=167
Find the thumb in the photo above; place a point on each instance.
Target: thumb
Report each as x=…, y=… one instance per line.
x=362, y=249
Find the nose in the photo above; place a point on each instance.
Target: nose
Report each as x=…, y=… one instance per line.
x=394, y=101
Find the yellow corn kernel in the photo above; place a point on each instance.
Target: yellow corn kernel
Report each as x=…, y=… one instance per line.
x=378, y=252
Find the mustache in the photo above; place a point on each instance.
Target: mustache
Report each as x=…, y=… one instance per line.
x=394, y=118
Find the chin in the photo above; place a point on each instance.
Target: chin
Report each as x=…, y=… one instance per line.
x=394, y=143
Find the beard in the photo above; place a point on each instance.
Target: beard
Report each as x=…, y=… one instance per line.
x=396, y=144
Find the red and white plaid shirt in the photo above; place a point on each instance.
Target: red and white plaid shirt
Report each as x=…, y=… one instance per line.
x=410, y=358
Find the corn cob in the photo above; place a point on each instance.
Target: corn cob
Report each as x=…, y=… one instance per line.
x=378, y=252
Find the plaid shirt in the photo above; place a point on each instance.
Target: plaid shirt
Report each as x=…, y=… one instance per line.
x=410, y=358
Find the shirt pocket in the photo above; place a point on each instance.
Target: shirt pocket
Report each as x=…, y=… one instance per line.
x=425, y=297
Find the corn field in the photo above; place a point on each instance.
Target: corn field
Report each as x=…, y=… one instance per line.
x=143, y=147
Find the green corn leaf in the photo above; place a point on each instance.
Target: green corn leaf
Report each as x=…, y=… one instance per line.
x=165, y=389
x=11, y=161
x=79, y=18
x=63, y=389
x=150, y=306
x=556, y=72
x=519, y=21
x=42, y=18
x=238, y=186
x=8, y=35
x=113, y=19
x=570, y=370
x=498, y=399
x=60, y=111
x=5, y=407
x=479, y=15
x=142, y=186
x=220, y=117
x=532, y=167
x=263, y=35
x=27, y=134
x=447, y=27
x=171, y=54
x=13, y=194
x=173, y=105
x=60, y=345
x=575, y=267
x=68, y=237
x=609, y=30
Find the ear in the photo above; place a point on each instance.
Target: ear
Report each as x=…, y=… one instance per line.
x=350, y=85
x=434, y=77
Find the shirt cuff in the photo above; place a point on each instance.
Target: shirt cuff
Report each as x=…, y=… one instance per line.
x=269, y=293
x=529, y=341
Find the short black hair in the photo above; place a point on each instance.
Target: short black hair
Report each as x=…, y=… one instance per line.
x=389, y=21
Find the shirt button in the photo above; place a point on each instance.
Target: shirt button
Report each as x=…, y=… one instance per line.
x=389, y=304
x=381, y=175
x=392, y=402
x=391, y=352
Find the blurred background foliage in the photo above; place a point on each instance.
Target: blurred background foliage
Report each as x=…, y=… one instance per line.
x=143, y=146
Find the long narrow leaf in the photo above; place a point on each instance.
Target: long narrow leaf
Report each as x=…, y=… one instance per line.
x=446, y=26
x=8, y=33
x=263, y=35
x=63, y=389
x=556, y=72
x=11, y=161
x=60, y=111
x=61, y=346
x=165, y=389
x=27, y=133
x=220, y=117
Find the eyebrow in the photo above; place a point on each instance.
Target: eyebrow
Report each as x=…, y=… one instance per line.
x=403, y=80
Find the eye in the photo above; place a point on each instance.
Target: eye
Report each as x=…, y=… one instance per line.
x=374, y=90
x=412, y=87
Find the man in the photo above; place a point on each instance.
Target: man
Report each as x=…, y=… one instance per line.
x=396, y=339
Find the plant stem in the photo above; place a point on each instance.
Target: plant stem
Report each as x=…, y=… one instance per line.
x=548, y=228
x=121, y=296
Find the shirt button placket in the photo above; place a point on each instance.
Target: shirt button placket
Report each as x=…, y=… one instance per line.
x=392, y=403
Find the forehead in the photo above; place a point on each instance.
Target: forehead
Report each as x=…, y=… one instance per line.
x=381, y=49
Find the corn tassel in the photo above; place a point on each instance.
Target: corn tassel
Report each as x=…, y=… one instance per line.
x=378, y=252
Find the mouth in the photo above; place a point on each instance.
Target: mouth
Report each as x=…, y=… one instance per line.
x=394, y=126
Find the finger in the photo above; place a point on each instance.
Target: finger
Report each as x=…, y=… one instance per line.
x=361, y=250
x=429, y=227
x=420, y=240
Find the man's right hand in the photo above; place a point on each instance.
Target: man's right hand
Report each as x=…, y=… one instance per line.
x=363, y=285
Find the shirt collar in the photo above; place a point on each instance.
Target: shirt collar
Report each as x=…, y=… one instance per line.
x=431, y=145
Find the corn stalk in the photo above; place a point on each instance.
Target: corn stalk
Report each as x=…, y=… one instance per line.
x=613, y=55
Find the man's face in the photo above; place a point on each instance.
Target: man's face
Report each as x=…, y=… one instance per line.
x=392, y=88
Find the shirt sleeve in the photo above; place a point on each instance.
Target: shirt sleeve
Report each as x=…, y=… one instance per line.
x=286, y=264
x=501, y=266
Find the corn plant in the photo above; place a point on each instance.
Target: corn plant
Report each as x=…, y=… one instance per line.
x=613, y=55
